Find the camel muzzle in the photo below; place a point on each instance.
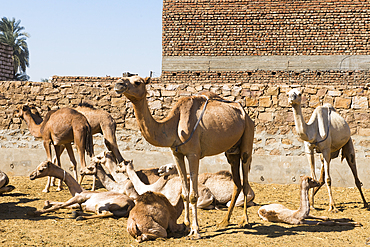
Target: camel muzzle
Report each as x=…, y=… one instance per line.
x=120, y=87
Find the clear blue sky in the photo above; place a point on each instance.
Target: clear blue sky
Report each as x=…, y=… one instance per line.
x=90, y=37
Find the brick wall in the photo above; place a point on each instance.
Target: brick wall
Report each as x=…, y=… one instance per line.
x=6, y=62
x=241, y=28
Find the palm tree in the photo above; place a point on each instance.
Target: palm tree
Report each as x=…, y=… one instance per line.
x=12, y=35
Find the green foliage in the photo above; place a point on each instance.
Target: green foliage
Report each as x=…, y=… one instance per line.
x=11, y=33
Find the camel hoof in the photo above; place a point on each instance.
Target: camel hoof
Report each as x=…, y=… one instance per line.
x=45, y=190
x=47, y=204
x=223, y=224
x=193, y=236
x=59, y=189
x=80, y=218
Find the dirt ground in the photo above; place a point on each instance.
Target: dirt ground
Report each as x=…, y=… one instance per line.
x=58, y=229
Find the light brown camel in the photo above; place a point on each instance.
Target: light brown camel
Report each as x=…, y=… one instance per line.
x=4, y=181
x=220, y=183
x=153, y=216
x=327, y=133
x=222, y=127
x=104, y=204
x=59, y=128
x=280, y=214
x=102, y=122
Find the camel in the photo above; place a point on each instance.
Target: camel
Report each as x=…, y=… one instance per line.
x=280, y=214
x=153, y=216
x=327, y=133
x=147, y=175
x=170, y=186
x=4, y=181
x=220, y=184
x=104, y=204
x=197, y=126
x=102, y=122
x=60, y=128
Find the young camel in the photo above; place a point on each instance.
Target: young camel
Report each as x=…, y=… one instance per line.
x=220, y=184
x=327, y=133
x=280, y=214
x=196, y=127
x=59, y=128
x=104, y=204
x=153, y=216
x=4, y=181
x=169, y=186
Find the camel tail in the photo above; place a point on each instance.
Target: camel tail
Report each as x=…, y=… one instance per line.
x=89, y=146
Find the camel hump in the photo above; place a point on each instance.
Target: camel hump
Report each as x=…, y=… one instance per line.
x=224, y=173
x=150, y=197
x=211, y=95
x=330, y=106
x=85, y=104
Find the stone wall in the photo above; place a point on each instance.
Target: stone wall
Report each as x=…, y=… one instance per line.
x=266, y=103
x=6, y=62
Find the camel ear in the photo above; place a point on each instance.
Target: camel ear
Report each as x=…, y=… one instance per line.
x=147, y=80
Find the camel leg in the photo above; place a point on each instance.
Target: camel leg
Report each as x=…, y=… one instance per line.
x=234, y=161
x=321, y=183
x=326, y=156
x=349, y=153
x=246, y=163
x=72, y=159
x=193, y=161
x=58, y=152
x=47, y=146
x=180, y=164
x=111, y=144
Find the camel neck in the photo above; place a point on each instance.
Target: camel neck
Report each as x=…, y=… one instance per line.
x=304, y=208
x=139, y=186
x=156, y=133
x=33, y=127
x=300, y=124
x=72, y=184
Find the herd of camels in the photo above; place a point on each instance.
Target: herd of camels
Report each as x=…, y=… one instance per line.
x=197, y=126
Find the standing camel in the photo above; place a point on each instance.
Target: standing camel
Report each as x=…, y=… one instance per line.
x=279, y=213
x=327, y=133
x=196, y=127
x=60, y=128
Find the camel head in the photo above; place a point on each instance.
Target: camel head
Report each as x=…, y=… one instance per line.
x=308, y=182
x=42, y=170
x=167, y=169
x=294, y=97
x=123, y=166
x=132, y=87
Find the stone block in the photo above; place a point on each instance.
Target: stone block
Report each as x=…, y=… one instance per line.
x=265, y=116
x=251, y=101
x=344, y=103
x=265, y=101
x=360, y=102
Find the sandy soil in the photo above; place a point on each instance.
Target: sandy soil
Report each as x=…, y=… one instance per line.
x=58, y=229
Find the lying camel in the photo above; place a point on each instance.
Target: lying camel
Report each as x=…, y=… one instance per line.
x=60, y=128
x=153, y=216
x=220, y=184
x=104, y=204
x=120, y=182
x=280, y=214
x=169, y=186
x=4, y=181
x=147, y=175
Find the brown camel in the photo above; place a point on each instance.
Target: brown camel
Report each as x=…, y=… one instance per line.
x=104, y=204
x=4, y=181
x=196, y=127
x=326, y=132
x=60, y=128
x=102, y=122
x=279, y=213
x=153, y=216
